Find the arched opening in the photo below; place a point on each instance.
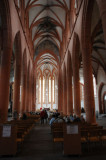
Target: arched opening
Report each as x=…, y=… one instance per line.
x=17, y=91
x=76, y=84
x=100, y=98
x=10, y=107
x=46, y=82
x=104, y=103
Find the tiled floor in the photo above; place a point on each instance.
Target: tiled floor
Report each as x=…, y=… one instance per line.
x=38, y=145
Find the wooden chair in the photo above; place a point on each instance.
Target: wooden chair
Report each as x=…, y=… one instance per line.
x=103, y=136
x=57, y=130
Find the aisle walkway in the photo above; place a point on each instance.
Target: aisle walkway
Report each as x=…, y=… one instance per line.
x=38, y=145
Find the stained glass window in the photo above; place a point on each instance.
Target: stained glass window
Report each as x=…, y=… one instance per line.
x=49, y=89
x=43, y=89
x=40, y=90
x=53, y=89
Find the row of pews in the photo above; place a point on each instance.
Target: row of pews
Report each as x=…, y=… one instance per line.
x=14, y=132
x=25, y=126
x=90, y=134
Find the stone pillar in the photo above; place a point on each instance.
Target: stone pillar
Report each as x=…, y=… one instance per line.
x=16, y=92
x=27, y=92
x=4, y=82
x=102, y=9
x=23, y=98
x=76, y=84
x=88, y=83
x=33, y=92
x=69, y=92
x=59, y=92
x=64, y=93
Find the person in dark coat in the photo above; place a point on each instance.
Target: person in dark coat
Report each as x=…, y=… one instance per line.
x=42, y=115
x=46, y=116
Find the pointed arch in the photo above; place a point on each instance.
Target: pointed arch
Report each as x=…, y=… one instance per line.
x=24, y=82
x=17, y=49
x=100, y=98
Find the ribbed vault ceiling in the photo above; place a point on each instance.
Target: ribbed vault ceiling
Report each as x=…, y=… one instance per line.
x=98, y=44
x=47, y=21
x=47, y=63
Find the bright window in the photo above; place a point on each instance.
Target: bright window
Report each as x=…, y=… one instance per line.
x=94, y=84
x=49, y=89
x=76, y=3
x=53, y=90
x=40, y=90
x=43, y=89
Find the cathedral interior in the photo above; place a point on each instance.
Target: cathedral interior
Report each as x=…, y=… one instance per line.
x=53, y=57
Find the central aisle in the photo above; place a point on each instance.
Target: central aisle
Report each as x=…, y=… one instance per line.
x=39, y=144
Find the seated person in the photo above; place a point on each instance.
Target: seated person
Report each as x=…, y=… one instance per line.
x=68, y=119
x=59, y=119
x=52, y=119
x=77, y=119
x=24, y=116
x=71, y=118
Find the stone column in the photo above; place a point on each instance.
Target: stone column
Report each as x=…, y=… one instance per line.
x=33, y=93
x=27, y=92
x=88, y=83
x=23, y=98
x=69, y=93
x=30, y=93
x=4, y=82
x=76, y=84
x=64, y=93
x=59, y=92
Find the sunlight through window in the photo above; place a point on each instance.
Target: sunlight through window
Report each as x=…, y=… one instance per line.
x=40, y=90
x=49, y=89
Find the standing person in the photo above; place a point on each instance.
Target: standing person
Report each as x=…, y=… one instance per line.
x=46, y=116
x=42, y=115
x=71, y=118
x=15, y=115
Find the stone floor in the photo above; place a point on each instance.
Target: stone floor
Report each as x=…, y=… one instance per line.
x=38, y=145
